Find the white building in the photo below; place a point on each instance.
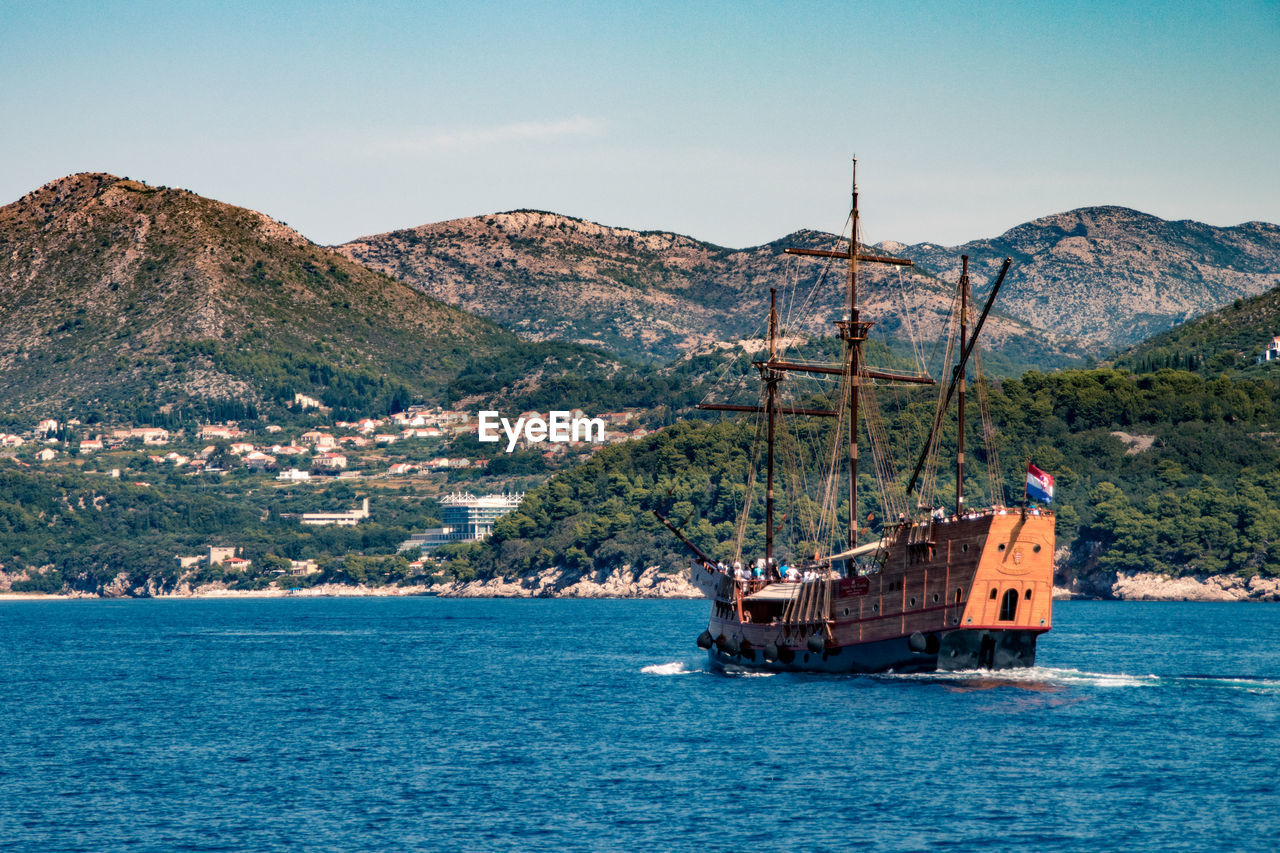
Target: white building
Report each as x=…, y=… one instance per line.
x=341, y=519
x=467, y=518
x=1272, y=352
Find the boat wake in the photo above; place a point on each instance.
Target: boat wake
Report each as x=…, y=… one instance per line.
x=688, y=668
x=1051, y=678
x=1036, y=678
x=674, y=668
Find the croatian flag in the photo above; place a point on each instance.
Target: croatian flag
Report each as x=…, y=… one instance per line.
x=1039, y=484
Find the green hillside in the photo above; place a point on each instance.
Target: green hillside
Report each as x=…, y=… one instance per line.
x=1172, y=507
x=1228, y=339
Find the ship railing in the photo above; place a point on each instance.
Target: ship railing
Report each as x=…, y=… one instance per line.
x=993, y=511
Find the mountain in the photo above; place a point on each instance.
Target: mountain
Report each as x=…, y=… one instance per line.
x=1115, y=275
x=654, y=295
x=121, y=296
x=1084, y=282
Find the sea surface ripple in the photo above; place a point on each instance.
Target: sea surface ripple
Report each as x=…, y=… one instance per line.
x=429, y=724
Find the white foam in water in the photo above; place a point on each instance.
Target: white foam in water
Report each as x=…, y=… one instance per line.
x=1037, y=675
x=674, y=668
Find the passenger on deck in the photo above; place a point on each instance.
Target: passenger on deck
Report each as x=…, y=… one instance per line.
x=791, y=573
x=940, y=514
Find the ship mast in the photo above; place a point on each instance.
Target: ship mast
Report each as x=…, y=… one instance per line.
x=854, y=334
x=770, y=377
x=853, y=331
x=964, y=329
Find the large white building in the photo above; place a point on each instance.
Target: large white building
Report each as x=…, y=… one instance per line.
x=467, y=518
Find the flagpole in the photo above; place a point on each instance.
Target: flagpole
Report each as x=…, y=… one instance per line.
x=1026, y=497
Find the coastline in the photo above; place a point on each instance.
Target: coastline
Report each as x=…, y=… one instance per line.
x=654, y=584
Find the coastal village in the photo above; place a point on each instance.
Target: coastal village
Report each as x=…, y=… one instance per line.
x=343, y=449
x=422, y=452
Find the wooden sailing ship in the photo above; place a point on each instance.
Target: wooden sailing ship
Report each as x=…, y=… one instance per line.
x=950, y=590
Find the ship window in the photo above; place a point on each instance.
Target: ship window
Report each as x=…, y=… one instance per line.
x=935, y=598
x=875, y=608
x=958, y=594
x=1035, y=548
x=1001, y=547
x=846, y=612
x=993, y=595
x=965, y=547
x=913, y=601
x=1009, y=606
x=1028, y=595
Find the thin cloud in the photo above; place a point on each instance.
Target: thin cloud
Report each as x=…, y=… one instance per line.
x=467, y=138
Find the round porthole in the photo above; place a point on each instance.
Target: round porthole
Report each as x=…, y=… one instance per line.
x=875, y=608
x=1001, y=548
x=935, y=598
x=1035, y=548
x=913, y=601
x=845, y=612
x=955, y=620
x=965, y=547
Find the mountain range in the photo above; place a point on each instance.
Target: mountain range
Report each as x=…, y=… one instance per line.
x=130, y=298
x=1085, y=282
x=657, y=295
x=1114, y=276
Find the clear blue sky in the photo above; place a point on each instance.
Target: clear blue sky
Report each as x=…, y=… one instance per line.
x=729, y=121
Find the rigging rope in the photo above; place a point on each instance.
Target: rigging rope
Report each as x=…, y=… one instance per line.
x=892, y=497
x=740, y=532
x=929, y=480
x=995, y=478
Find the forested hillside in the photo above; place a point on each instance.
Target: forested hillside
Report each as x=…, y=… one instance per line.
x=1229, y=339
x=1198, y=498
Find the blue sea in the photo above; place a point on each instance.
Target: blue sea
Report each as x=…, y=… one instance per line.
x=430, y=724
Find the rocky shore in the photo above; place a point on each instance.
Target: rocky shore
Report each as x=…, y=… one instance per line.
x=559, y=583
x=1145, y=586
x=652, y=582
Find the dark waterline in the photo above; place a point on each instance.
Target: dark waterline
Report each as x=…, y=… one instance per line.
x=392, y=724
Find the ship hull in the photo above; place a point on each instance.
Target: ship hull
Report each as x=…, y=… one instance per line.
x=959, y=594
x=954, y=650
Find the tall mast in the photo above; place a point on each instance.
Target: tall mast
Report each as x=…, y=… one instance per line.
x=964, y=330
x=770, y=377
x=854, y=334
x=853, y=331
